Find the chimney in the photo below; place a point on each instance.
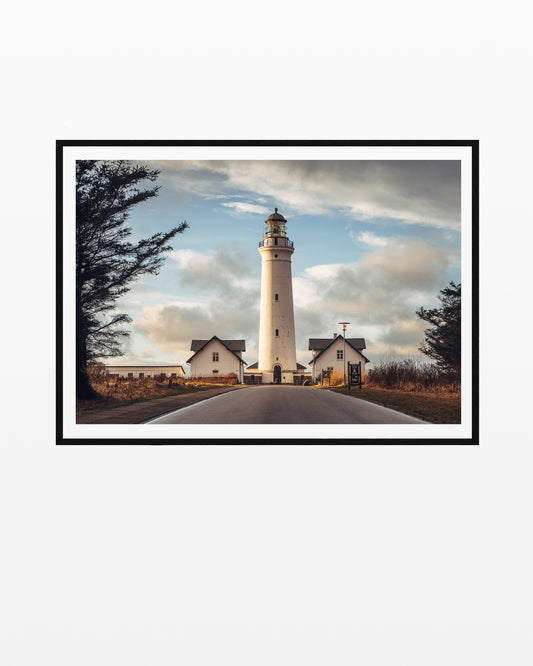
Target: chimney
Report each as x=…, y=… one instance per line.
x=334, y=335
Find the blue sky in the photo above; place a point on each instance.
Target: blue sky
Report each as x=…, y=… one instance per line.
x=374, y=240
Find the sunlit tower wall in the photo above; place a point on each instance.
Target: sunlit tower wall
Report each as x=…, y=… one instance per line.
x=277, y=346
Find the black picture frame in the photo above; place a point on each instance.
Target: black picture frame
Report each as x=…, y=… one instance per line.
x=61, y=145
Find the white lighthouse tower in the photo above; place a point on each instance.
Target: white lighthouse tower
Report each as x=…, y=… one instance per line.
x=277, y=347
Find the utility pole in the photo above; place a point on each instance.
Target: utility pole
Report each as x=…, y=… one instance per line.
x=344, y=324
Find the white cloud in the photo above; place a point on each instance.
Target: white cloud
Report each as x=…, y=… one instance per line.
x=229, y=305
x=369, y=238
x=223, y=271
x=413, y=191
x=185, y=258
x=308, y=287
x=410, y=263
x=322, y=271
x=171, y=327
x=243, y=207
x=379, y=295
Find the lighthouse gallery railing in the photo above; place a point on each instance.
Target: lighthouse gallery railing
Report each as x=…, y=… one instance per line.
x=280, y=241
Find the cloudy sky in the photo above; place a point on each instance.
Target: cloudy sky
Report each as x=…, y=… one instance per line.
x=374, y=240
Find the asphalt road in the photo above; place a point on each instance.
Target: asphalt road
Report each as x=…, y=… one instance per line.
x=284, y=404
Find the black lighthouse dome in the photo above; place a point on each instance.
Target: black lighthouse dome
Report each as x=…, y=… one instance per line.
x=275, y=217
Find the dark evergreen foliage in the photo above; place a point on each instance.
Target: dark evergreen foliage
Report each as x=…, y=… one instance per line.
x=443, y=340
x=106, y=261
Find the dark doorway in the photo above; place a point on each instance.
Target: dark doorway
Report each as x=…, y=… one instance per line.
x=277, y=374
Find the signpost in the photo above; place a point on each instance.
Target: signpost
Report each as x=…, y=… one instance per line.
x=354, y=374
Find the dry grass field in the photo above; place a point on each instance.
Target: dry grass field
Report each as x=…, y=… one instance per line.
x=116, y=391
x=432, y=406
x=412, y=387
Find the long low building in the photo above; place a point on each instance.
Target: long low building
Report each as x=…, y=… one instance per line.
x=136, y=371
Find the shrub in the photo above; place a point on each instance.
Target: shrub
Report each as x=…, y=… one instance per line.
x=119, y=388
x=411, y=375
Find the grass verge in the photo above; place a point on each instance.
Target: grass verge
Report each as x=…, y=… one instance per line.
x=109, y=402
x=435, y=407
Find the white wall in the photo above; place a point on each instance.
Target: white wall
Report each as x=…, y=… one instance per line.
x=203, y=365
x=276, y=314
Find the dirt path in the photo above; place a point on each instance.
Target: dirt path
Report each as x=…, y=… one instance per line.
x=141, y=411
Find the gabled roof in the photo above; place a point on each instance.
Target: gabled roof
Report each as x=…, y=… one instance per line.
x=239, y=345
x=232, y=345
x=321, y=344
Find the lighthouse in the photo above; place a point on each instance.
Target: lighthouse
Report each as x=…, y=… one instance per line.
x=277, y=347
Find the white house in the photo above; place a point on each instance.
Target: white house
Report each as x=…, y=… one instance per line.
x=328, y=354
x=174, y=371
x=217, y=357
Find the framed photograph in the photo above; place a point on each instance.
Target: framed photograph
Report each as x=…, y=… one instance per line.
x=280, y=292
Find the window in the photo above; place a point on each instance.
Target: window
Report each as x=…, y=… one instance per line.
x=215, y=372
x=277, y=332
x=215, y=357
x=141, y=375
x=276, y=297
x=339, y=355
